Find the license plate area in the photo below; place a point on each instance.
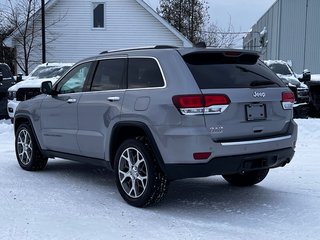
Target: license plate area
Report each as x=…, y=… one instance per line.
x=256, y=111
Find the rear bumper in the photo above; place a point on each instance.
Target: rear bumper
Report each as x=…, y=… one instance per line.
x=230, y=164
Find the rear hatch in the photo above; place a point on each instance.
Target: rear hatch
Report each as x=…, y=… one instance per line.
x=243, y=99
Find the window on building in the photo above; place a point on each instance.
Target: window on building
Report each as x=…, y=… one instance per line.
x=98, y=15
x=144, y=73
x=109, y=75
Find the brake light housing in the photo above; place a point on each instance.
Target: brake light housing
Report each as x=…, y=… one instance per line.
x=200, y=104
x=288, y=100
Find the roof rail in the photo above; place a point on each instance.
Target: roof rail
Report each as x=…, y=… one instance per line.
x=140, y=48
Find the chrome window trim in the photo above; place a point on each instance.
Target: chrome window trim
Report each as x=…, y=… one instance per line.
x=161, y=71
x=256, y=141
x=133, y=89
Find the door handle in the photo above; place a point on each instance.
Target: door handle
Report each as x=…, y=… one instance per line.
x=113, y=99
x=71, y=100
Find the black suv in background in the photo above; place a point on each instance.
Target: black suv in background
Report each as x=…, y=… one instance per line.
x=6, y=80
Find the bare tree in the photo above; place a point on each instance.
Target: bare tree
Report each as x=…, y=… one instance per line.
x=6, y=53
x=20, y=16
x=24, y=17
x=219, y=37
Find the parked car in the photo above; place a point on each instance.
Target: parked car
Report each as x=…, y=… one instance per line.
x=314, y=92
x=31, y=84
x=6, y=81
x=159, y=114
x=299, y=88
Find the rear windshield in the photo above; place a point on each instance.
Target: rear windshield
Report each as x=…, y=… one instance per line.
x=216, y=70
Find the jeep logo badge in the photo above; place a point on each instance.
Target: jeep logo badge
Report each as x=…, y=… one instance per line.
x=259, y=94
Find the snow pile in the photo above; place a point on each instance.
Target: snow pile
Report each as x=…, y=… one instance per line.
x=6, y=137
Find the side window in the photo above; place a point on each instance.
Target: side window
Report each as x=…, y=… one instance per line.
x=109, y=75
x=73, y=82
x=144, y=73
x=98, y=15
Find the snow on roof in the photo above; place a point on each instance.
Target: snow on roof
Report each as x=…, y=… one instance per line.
x=269, y=62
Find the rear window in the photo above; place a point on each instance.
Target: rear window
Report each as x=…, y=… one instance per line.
x=216, y=70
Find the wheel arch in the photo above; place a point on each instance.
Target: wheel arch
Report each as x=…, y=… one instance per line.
x=126, y=130
x=22, y=119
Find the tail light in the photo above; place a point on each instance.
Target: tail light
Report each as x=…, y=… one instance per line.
x=201, y=104
x=288, y=100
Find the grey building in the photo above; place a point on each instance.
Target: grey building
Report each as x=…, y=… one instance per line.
x=290, y=31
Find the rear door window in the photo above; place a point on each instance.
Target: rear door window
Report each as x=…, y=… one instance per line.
x=109, y=75
x=144, y=73
x=215, y=70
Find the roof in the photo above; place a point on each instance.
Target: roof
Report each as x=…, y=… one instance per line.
x=186, y=43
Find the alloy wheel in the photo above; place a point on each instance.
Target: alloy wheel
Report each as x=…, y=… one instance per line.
x=24, y=147
x=133, y=172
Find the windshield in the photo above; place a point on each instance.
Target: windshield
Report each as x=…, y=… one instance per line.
x=279, y=68
x=49, y=71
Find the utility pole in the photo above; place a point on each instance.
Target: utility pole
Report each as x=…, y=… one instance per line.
x=43, y=31
x=305, y=34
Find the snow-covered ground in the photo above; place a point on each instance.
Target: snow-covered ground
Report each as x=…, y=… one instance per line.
x=69, y=200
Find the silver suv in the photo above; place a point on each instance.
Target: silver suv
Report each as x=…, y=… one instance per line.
x=159, y=114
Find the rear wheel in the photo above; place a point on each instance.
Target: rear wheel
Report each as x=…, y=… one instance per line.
x=27, y=151
x=247, y=178
x=139, y=179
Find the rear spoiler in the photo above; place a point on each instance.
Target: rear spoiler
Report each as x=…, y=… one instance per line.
x=221, y=57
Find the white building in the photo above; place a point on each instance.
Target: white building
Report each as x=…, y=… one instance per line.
x=78, y=29
x=289, y=30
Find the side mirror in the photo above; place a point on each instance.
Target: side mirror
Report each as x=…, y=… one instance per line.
x=1, y=77
x=306, y=76
x=46, y=87
x=19, y=77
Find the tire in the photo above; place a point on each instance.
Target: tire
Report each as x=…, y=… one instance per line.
x=27, y=151
x=139, y=178
x=246, y=179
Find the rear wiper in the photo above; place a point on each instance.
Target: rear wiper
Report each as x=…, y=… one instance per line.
x=261, y=83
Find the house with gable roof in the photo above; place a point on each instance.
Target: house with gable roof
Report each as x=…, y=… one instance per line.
x=86, y=28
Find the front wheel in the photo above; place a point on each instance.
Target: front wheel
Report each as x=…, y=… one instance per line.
x=27, y=151
x=139, y=178
x=246, y=179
